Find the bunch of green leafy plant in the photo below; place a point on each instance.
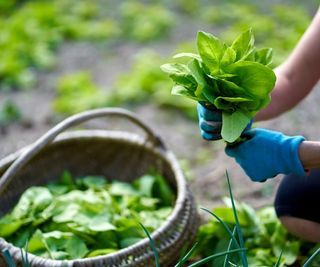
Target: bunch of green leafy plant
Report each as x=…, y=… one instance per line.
x=264, y=237
x=234, y=79
x=87, y=217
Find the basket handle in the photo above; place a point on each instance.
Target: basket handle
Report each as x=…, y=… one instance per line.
x=71, y=121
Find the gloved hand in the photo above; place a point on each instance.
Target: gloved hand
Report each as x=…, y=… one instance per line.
x=210, y=123
x=267, y=153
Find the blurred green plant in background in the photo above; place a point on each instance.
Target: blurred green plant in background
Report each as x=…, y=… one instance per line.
x=9, y=113
x=278, y=26
x=32, y=30
x=77, y=92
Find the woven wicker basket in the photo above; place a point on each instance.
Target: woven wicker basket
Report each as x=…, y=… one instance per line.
x=114, y=154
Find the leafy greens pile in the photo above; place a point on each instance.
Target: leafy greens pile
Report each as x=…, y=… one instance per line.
x=86, y=217
x=264, y=238
x=234, y=79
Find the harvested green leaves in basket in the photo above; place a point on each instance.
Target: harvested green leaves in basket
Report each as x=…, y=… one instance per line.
x=236, y=79
x=88, y=216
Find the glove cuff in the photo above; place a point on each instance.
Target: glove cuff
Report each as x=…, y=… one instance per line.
x=291, y=155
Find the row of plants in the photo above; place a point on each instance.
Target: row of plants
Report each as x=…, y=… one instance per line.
x=33, y=30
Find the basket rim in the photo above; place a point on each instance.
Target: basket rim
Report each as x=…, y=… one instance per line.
x=163, y=152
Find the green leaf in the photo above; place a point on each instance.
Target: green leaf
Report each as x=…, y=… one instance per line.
x=263, y=56
x=229, y=56
x=230, y=104
x=189, y=55
x=183, y=91
x=197, y=72
x=233, y=125
x=200, y=78
x=243, y=44
x=95, y=182
x=32, y=200
x=36, y=242
x=211, y=92
x=67, y=214
x=163, y=191
x=226, y=214
x=257, y=80
x=118, y=188
x=101, y=223
x=254, y=105
x=9, y=226
x=108, y=239
x=291, y=252
x=145, y=184
x=230, y=89
x=211, y=50
x=176, y=70
x=181, y=75
x=76, y=248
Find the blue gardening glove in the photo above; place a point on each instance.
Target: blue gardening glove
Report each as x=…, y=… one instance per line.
x=267, y=153
x=210, y=123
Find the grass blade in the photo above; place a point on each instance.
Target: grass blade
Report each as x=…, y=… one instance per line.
x=224, y=226
x=25, y=260
x=22, y=257
x=8, y=258
x=278, y=261
x=187, y=256
x=205, y=260
x=153, y=246
x=226, y=259
x=242, y=254
x=311, y=258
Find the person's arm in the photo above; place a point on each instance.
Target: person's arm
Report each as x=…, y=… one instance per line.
x=297, y=75
x=309, y=154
